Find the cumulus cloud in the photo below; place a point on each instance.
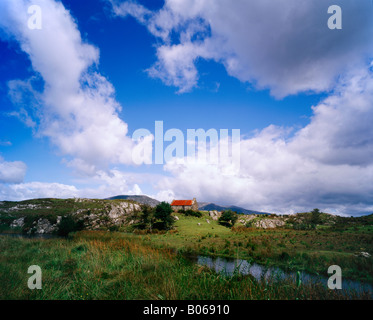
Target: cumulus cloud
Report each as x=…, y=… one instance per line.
x=66, y=100
x=34, y=190
x=164, y=195
x=103, y=185
x=286, y=47
x=327, y=164
x=132, y=9
x=283, y=45
x=341, y=130
x=12, y=172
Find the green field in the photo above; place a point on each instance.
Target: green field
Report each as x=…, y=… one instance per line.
x=309, y=250
x=127, y=263
x=107, y=265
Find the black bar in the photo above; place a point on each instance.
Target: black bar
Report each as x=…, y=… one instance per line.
x=137, y=309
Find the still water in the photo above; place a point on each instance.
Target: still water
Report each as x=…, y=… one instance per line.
x=231, y=266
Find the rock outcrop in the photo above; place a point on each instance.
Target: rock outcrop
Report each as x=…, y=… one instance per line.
x=215, y=215
x=269, y=223
x=112, y=215
x=18, y=223
x=44, y=226
x=92, y=214
x=260, y=221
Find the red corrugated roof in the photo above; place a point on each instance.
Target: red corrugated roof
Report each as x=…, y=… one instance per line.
x=182, y=203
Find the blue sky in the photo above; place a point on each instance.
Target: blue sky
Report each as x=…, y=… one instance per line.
x=73, y=92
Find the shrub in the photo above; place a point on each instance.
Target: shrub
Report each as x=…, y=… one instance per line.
x=304, y=226
x=316, y=216
x=193, y=213
x=250, y=224
x=164, y=219
x=145, y=218
x=114, y=228
x=228, y=218
x=284, y=256
x=67, y=225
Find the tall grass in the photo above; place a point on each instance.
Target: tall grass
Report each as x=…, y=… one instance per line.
x=103, y=265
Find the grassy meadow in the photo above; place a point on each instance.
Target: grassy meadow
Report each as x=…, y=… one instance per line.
x=112, y=265
x=297, y=250
x=135, y=264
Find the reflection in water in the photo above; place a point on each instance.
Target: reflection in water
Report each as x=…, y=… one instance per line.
x=229, y=267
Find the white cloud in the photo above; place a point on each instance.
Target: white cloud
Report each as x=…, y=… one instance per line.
x=105, y=184
x=282, y=45
x=33, y=190
x=164, y=195
x=341, y=130
x=131, y=8
x=327, y=164
x=176, y=67
x=76, y=108
x=12, y=172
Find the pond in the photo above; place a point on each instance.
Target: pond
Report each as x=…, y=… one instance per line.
x=231, y=266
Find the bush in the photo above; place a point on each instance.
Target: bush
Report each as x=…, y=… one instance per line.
x=304, y=226
x=316, y=217
x=164, y=219
x=284, y=256
x=145, y=218
x=67, y=225
x=193, y=213
x=228, y=218
x=250, y=224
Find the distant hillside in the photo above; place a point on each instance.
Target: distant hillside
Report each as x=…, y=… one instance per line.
x=213, y=206
x=140, y=199
x=202, y=205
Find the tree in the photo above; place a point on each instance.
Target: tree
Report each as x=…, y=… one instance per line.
x=228, y=218
x=315, y=216
x=163, y=217
x=145, y=218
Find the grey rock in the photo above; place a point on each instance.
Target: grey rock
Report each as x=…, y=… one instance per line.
x=215, y=215
x=363, y=254
x=269, y=223
x=138, y=198
x=18, y=223
x=44, y=226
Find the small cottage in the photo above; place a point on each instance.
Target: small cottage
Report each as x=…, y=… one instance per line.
x=184, y=205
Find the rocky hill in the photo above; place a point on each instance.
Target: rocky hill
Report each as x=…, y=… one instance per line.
x=44, y=216
x=139, y=199
x=50, y=215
